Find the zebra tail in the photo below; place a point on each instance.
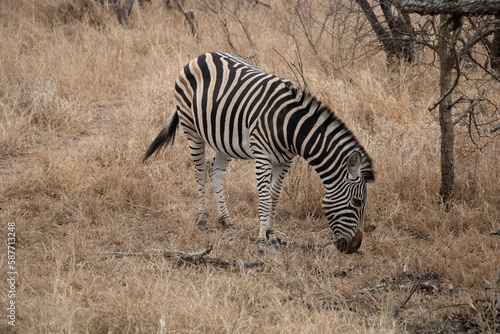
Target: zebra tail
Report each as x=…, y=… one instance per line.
x=165, y=137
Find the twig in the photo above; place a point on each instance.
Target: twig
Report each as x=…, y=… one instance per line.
x=289, y=65
x=405, y=80
x=377, y=288
x=495, y=128
x=412, y=291
x=194, y=255
x=164, y=234
x=469, y=109
x=306, y=246
x=124, y=254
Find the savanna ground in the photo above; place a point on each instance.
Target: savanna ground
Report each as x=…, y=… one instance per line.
x=81, y=97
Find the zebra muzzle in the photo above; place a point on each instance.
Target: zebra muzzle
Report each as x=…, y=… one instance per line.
x=349, y=246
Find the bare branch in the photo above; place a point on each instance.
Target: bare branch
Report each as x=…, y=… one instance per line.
x=492, y=74
x=481, y=33
x=289, y=65
x=469, y=109
x=194, y=258
x=452, y=7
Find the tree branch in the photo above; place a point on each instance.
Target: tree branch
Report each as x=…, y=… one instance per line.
x=469, y=109
x=479, y=36
x=452, y=7
x=194, y=258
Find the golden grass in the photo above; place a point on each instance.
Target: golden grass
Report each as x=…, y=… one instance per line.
x=81, y=97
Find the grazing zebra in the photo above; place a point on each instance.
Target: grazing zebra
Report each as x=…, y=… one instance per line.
x=244, y=112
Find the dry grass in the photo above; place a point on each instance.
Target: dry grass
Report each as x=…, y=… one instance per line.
x=81, y=97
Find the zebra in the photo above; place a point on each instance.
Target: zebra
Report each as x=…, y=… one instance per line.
x=243, y=112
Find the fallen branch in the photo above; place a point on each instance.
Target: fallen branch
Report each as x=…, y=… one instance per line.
x=305, y=246
x=194, y=258
x=496, y=232
x=495, y=128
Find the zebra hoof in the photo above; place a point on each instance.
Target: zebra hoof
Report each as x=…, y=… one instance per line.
x=202, y=225
x=261, y=244
x=226, y=223
x=261, y=252
x=276, y=244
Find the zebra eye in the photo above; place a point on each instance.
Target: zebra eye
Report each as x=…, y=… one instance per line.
x=357, y=202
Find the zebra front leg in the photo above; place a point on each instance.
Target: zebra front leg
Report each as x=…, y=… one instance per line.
x=197, y=150
x=217, y=172
x=264, y=172
x=277, y=174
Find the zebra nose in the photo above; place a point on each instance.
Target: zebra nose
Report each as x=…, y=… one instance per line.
x=349, y=246
x=355, y=242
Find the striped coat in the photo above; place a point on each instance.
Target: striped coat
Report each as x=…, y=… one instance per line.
x=243, y=112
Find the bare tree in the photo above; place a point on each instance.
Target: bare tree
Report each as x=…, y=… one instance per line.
x=178, y=5
x=395, y=37
x=122, y=8
x=332, y=32
x=455, y=39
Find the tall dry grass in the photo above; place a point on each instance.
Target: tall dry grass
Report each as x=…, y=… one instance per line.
x=81, y=98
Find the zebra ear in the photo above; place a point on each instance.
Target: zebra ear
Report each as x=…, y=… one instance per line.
x=354, y=165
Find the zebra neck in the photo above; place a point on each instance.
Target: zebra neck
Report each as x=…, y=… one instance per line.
x=330, y=162
x=312, y=131
x=327, y=147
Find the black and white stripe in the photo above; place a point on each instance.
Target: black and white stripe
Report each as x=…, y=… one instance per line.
x=244, y=112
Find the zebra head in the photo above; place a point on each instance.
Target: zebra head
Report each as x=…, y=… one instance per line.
x=344, y=204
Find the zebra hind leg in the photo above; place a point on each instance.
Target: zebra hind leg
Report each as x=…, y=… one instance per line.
x=197, y=150
x=217, y=172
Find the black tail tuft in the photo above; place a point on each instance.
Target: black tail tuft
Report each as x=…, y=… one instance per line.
x=165, y=137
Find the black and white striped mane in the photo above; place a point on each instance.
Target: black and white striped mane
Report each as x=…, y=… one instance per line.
x=326, y=116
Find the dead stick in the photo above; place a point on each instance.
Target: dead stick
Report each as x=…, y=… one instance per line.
x=164, y=234
x=196, y=258
x=412, y=291
x=124, y=254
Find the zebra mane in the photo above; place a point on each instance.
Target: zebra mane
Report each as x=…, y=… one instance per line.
x=326, y=116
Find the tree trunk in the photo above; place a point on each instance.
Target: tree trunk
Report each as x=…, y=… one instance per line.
x=401, y=30
x=382, y=35
x=396, y=40
x=123, y=11
x=446, y=62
